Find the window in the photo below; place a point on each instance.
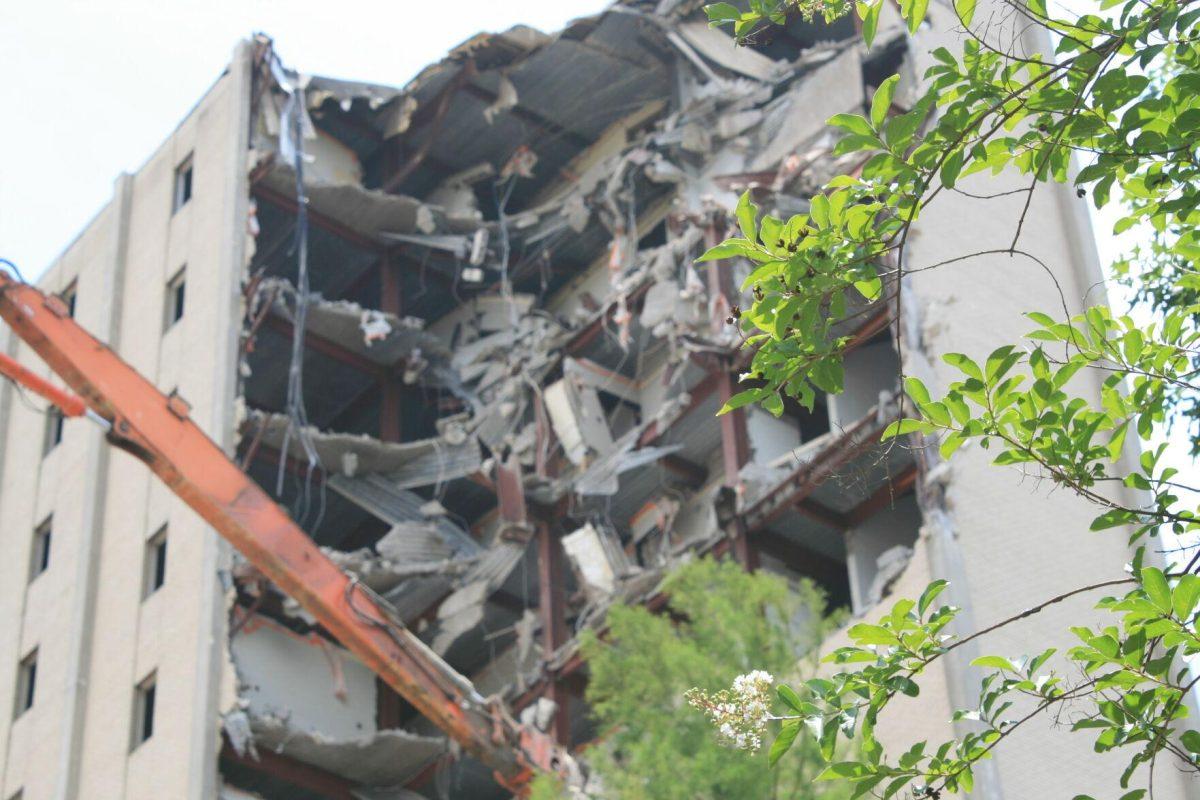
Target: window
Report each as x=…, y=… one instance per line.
x=155, y=570
x=176, y=293
x=54, y=429
x=39, y=560
x=26, y=683
x=68, y=296
x=183, y=185
x=143, y=710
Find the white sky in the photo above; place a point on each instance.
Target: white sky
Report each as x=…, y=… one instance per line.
x=90, y=89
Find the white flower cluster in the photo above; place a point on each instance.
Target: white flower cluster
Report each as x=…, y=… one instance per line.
x=740, y=712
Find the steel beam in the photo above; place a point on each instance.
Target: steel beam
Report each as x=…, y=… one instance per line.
x=326, y=347
x=317, y=219
x=297, y=773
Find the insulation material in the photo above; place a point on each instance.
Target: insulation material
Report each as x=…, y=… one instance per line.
x=593, y=555
x=392, y=504
x=578, y=419
x=506, y=98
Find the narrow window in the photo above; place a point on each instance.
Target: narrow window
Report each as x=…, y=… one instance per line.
x=54, y=429
x=26, y=683
x=40, y=558
x=68, y=296
x=143, y=710
x=156, y=563
x=183, y=185
x=176, y=293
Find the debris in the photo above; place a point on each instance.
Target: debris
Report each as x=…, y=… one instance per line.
x=544, y=334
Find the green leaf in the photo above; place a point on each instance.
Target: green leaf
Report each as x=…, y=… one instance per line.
x=916, y=390
x=965, y=10
x=864, y=633
x=1191, y=740
x=783, y=742
x=869, y=14
x=1184, y=597
x=722, y=12
x=852, y=123
x=730, y=249
x=951, y=168
x=950, y=444
x=740, y=399
x=914, y=12
x=994, y=662
x=901, y=427
x=1157, y=589
x=930, y=594
x=882, y=101
x=788, y=695
x=747, y=216
x=1112, y=519
x=844, y=769
x=964, y=364
x=869, y=289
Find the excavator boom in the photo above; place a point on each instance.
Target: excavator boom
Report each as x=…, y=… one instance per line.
x=157, y=430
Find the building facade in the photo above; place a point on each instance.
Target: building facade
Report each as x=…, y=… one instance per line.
x=456, y=328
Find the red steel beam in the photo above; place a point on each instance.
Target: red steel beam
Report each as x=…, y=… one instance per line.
x=892, y=489
x=326, y=347
x=296, y=773
x=735, y=440
x=158, y=431
x=804, y=479
x=552, y=602
x=317, y=219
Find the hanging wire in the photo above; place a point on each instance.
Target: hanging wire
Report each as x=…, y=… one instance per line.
x=14, y=269
x=291, y=145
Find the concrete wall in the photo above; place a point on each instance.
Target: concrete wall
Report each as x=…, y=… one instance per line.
x=1018, y=539
x=97, y=637
x=313, y=685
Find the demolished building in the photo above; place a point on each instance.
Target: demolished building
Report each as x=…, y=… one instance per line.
x=458, y=330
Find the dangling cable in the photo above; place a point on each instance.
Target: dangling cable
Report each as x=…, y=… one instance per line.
x=291, y=146
x=14, y=269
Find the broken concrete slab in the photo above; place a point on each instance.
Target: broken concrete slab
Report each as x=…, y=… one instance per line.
x=387, y=758
x=427, y=462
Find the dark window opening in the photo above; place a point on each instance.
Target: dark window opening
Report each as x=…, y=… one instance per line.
x=183, y=185
x=156, y=563
x=40, y=558
x=143, y=710
x=176, y=294
x=26, y=682
x=54, y=430
x=68, y=296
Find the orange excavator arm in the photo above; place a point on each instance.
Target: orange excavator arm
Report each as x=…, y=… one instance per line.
x=157, y=430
